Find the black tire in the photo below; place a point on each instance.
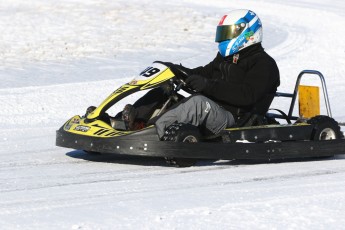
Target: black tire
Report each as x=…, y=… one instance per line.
x=325, y=128
x=179, y=132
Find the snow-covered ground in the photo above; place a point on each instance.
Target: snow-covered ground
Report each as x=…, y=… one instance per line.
x=59, y=57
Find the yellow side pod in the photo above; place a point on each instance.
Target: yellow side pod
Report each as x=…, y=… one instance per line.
x=309, y=101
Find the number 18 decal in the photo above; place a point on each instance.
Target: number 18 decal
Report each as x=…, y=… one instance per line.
x=148, y=72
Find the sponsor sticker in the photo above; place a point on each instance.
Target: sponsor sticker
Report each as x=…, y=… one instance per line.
x=68, y=126
x=82, y=128
x=133, y=82
x=75, y=120
x=248, y=35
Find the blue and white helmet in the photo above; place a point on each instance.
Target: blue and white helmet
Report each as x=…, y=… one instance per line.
x=238, y=30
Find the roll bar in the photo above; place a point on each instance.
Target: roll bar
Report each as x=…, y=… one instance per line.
x=295, y=93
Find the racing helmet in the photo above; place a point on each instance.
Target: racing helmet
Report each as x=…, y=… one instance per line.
x=238, y=30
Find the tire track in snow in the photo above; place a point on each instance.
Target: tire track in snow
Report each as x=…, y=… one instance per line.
x=66, y=195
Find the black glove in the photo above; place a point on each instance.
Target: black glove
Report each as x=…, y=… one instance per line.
x=197, y=82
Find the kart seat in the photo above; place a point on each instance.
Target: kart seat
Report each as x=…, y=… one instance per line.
x=257, y=116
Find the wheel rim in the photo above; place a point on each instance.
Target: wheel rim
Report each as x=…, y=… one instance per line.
x=327, y=134
x=190, y=139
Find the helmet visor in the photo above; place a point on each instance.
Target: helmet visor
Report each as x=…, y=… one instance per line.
x=228, y=32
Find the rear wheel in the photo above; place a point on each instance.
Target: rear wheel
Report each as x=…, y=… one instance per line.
x=181, y=133
x=325, y=128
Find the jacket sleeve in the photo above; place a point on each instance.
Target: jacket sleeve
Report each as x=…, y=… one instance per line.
x=262, y=78
x=207, y=70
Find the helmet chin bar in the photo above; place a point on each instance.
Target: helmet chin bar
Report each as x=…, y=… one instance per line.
x=223, y=47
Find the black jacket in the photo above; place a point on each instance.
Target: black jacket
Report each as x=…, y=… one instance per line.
x=240, y=85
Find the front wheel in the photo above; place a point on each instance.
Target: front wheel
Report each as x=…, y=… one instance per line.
x=182, y=133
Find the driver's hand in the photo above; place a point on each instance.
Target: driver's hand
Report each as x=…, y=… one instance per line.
x=197, y=82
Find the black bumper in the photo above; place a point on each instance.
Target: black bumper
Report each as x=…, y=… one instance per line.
x=136, y=144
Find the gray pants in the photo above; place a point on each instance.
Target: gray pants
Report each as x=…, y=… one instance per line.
x=197, y=110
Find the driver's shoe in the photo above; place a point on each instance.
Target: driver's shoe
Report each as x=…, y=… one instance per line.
x=128, y=116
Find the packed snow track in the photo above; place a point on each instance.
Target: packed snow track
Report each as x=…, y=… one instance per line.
x=58, y=58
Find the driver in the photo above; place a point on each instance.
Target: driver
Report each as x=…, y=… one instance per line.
x=241, y=75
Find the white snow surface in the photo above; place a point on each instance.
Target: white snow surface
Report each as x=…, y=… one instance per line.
x=59, y=57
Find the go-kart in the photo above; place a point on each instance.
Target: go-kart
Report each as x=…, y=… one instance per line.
x=255, y=136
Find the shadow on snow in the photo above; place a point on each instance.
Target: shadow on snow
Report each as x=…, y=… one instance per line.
x=159, y=161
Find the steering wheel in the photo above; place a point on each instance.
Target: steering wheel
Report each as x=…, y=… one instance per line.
x=180, y=74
